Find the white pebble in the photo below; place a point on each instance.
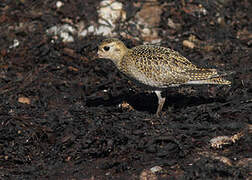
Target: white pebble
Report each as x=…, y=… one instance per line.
x=156, y=169
x=59, y=4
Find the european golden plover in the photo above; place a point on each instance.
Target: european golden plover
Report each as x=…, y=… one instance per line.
x=155, y=67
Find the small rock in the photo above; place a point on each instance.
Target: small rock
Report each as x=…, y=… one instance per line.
x=219, y=141
x=64, y=31
x=156, y=169
x=71, y=68
x=24, y=100
x=245, y=162
x=188, y=44
x=125, y=105
x=15, y=44
x=59, y=4
x=147, y=175
x=149, y=18
x=173, y=25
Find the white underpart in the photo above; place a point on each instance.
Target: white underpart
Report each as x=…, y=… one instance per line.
x=200, y=82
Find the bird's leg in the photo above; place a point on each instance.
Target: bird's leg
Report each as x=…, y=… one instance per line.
x=161, y=101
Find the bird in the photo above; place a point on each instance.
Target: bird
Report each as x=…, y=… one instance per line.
x=156, y=68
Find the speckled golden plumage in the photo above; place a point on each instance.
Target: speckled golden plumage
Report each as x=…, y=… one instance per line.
x=156, y=67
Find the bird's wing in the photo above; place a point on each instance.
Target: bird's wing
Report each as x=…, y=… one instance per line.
x=161, y=64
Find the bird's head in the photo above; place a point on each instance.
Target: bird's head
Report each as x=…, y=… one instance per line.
x=113, y=49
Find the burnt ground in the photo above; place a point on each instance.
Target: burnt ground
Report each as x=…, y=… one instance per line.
x=64, y=114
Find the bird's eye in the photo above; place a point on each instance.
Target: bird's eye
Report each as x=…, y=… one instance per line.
x=106, y=48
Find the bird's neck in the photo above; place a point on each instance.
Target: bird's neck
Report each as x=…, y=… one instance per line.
x=118, y=59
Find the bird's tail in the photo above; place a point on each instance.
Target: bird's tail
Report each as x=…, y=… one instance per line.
x=207, y=76
x=217, y=80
